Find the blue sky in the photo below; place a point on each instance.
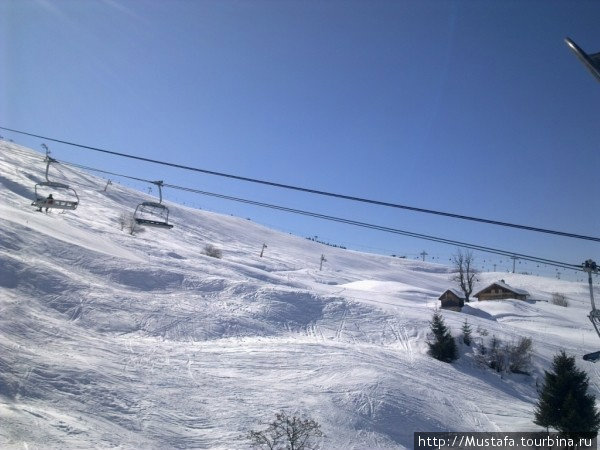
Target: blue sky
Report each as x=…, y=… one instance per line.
x=476, y=108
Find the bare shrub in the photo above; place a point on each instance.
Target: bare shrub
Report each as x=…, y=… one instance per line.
x=127, y=222
x=134, y=227
x=122, y=220
x=287, y=432
x=513, y=357
x=497, y=355
x=480, y=353
x=559, y=299
x=519, y=355
x=212, y=251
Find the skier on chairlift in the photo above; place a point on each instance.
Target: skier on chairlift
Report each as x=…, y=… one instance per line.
x=49, y=201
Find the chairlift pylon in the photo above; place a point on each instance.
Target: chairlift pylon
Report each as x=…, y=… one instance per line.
x=591, y=267
x=152, y=214
x=67, y=196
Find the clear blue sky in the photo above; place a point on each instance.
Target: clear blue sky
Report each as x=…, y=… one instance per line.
x=476, y=108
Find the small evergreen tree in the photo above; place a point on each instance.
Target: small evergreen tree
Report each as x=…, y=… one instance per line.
x=466, y=333
x=564, y=403
x=443, y=346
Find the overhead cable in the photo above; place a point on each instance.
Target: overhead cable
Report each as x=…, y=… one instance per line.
x=426, y=237
x=381, y=228
x=315, y=191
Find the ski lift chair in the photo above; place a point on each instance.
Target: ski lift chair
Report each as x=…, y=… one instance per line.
x=152, y=214
x=67, y=196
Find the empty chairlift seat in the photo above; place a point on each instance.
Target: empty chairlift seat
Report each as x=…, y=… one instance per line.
x=153, y=214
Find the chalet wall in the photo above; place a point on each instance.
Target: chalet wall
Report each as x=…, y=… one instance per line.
x=451, y=301
x=453, y=308
x=499, y=294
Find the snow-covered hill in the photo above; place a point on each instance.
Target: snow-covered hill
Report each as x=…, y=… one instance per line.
x=109, y=340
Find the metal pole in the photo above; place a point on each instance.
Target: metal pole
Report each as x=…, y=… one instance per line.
x=514, y=258
x=48, y=161
x=589, y=267
x=591, y=285
x=159, y=184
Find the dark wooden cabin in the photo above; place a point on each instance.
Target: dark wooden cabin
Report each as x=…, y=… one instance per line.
x=452, y=299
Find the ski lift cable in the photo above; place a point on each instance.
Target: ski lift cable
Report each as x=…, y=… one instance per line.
x=146, y=213
x=384, y=228
x=106, y=172
x=315, y=191
x=347, y=221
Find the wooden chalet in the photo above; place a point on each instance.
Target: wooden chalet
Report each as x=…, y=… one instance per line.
x=452, y=299
x=500, y=291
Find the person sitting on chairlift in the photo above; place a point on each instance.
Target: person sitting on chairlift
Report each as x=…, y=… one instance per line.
x=49, y=201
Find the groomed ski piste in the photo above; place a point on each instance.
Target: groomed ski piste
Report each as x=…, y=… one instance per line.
x=109, y=340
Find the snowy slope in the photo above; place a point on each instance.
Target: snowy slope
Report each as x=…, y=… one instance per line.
x=110, y=340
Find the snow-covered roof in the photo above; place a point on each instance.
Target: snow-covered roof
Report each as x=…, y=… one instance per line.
x=459, y=294
x=502, y=284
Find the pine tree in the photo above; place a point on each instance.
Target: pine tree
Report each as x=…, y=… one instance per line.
x=466, y=333
x=443, y=347
x=564, y=403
